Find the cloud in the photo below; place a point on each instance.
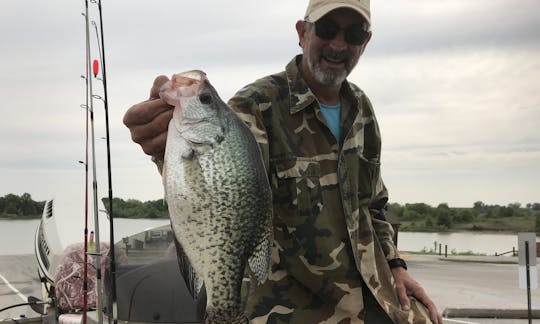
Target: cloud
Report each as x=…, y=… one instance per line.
x=423, y=25
x=479, y=96
x=454, y=84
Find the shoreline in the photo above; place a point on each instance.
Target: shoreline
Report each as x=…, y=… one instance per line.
x=419, y=230
x=490, y=231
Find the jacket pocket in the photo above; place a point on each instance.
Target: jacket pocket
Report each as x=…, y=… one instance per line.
x=296, y=189
x=368, y=177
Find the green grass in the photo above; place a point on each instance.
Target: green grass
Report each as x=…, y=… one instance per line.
x=513, y=224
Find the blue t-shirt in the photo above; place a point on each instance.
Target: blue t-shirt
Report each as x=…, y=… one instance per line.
x=332, y=115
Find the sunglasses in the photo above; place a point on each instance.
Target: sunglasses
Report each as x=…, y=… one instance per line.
x=327, y=29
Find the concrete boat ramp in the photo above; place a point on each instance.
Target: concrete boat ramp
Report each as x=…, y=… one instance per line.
x=468, y=290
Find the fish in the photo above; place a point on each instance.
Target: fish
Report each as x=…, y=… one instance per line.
x=218, y=195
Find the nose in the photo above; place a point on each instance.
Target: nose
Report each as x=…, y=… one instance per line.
x=338, y=42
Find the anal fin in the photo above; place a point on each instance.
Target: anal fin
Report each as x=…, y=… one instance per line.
x=194, y=283
x=259, y=261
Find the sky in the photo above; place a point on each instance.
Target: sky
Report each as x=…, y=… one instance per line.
x=455, y=85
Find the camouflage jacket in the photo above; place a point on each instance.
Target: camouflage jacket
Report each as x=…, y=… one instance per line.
x=327, y=241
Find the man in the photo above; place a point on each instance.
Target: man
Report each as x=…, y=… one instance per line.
x=333, y=260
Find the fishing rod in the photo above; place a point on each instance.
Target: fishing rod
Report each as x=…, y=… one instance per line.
x=85, y=267
x=101, y=47
x=90, y=109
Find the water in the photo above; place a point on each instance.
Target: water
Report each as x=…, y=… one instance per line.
x=17, y=236
x=479, y=243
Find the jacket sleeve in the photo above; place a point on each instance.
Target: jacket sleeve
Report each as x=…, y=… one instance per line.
x=383, y=229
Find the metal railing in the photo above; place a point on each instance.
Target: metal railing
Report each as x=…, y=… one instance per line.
x=514, y=252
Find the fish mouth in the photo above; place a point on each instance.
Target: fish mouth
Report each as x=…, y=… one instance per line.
x=182, y=87
x=187, y=83
x=189, y=78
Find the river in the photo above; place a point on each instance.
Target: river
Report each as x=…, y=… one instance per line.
x=475, y=242
x=17, y=237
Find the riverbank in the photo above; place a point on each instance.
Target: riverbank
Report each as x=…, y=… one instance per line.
x=487, y=225
x=511, y=225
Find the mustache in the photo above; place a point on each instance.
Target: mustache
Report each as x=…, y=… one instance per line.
x=335, y=55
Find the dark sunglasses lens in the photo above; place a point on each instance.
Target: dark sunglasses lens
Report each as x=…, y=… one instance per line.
x=356, y=35
x=326, y=29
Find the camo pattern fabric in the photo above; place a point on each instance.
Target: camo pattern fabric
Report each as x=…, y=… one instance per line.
x=327, y=243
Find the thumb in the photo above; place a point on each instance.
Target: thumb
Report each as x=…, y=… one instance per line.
x=158, y=83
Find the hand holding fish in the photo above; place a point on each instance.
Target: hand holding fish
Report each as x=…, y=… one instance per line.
x=148, y=121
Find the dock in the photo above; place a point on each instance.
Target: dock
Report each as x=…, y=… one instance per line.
x=460, y=286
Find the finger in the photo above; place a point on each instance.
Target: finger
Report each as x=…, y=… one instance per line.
x=434, y=315
x=404, y=300
x=439, y=317
x=422, y=297
x=158, y=83
x=144, y=112
x=152, y=129
x=155, y=146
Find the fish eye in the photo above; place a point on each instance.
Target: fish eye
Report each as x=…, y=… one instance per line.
x=205, y=98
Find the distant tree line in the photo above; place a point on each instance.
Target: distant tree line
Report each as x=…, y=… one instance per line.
x=24, y=207
x=420, y=216
x=20, y=207
x=133, y=208
x=416, y=216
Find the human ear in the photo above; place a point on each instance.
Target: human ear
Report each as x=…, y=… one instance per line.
x=301, y=30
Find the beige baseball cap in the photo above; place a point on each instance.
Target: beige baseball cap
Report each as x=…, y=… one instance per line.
x=318, y=8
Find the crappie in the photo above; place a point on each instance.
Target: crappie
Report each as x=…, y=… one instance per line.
x=218, y=196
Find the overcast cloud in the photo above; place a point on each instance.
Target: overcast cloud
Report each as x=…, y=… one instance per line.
x=455, y=85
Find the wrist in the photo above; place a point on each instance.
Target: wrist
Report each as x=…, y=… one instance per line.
x=397, y=263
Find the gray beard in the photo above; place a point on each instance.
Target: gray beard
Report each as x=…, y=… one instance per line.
x=328, y=77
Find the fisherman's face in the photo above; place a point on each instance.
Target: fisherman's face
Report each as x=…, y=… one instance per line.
x=330, y=61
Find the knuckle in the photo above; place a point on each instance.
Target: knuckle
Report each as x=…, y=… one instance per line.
x=137, y=138
x=146, y=149
x=133, y=114
x=127, y=119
